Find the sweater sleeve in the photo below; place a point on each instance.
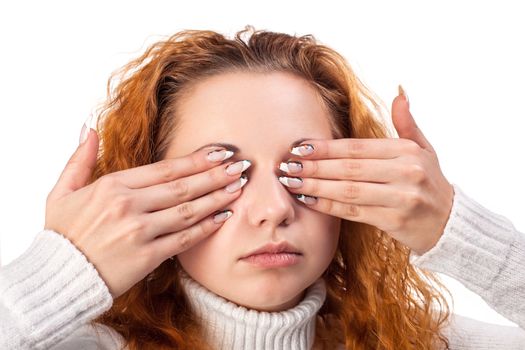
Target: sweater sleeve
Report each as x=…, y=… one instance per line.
x=48, y=293
x=483, y=251
x=465, y=333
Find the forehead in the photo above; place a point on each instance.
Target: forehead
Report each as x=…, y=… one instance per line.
x=247, y=108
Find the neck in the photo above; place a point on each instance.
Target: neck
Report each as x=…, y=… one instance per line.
x=231, y=326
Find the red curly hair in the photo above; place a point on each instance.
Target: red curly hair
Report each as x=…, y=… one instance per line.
x=375, y=298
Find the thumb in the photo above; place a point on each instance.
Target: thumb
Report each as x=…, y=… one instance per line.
x=80, y=165
x=404, y=122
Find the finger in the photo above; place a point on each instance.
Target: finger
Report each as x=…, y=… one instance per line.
x=354, y=192
x=79, y=167
x=181, y=217
x=405, y=123
x=384, y=218
x=381, y=148
x=174, y=243
x=184, y=189
x=167, y=169
x=369, y=170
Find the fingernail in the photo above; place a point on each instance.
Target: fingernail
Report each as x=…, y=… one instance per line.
x=306, y=199
x=222, y=216
x=293, y=182
x=403, y=93
x=237, y=184
x=216, y=156
x=291, y=167
x=85, y=130
x=238, y=167
x=303, y=150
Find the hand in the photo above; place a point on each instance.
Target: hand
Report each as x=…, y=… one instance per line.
x=128, y=222
x=393, y=184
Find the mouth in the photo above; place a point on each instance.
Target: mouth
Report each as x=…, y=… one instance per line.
x=283, y=247
x=273, y=260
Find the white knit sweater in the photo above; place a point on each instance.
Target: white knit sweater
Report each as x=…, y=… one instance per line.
x=50, y=293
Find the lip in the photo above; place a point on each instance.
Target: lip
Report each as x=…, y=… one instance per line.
x=272, y=260
x=273, y=248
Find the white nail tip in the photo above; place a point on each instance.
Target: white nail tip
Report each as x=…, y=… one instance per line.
x=245, y=165
x=301, y=198
x=306, y=199
x=284, y=167
x=308, y=149
x=295, y=151
x=243, y=180
x=227, y=154
x=284, y=180
x=223, y=216
x=235, y=186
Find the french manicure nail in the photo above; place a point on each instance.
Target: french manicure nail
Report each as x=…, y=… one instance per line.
x=222, y=216
x=216, y=156
x=291, y=167
x=237, y=184
x=85, y=130
x=238, y=167
x=402, y=92
x=306, y=199
x=293, y=182
x=303, y=150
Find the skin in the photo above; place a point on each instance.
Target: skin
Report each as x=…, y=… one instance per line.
x=395, y=184
x=248, y=109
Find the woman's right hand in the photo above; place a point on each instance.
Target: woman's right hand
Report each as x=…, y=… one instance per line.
x=128, y=222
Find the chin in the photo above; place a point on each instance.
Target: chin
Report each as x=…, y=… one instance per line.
x=267, y=295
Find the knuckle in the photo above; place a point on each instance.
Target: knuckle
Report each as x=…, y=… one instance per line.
x=314, y=187
x=351, y=168
x=137, y=227
x=411, y=147
x=416, y=173
x=355, y=147
x=397, y=223
x=133, y=238
x=350, y=210
x=314, y=168
x=198, y=230
x=106, y=185
x=120, y=205
x=216, y=174
x=179, y=189
x=413, y=200
x=351, y=191
x=186, y=211
x=196, y=160
x=184, y=239
x=164, y=168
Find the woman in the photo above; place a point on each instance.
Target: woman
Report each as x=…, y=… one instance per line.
x=144, y=248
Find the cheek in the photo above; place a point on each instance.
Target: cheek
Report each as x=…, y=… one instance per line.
x=199, y=257
x=323, y=237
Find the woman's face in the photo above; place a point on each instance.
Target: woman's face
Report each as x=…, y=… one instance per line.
x=262, y=114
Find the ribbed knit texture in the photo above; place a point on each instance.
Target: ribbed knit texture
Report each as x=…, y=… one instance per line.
x=230, y=326
x=484, y=252
x=50, y=293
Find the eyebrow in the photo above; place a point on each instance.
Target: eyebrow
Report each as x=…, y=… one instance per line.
x=236, y=149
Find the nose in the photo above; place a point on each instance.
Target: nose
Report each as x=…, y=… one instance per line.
x=265, y=200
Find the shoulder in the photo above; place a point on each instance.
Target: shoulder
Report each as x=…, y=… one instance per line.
x=89, y=337
x=467, y=333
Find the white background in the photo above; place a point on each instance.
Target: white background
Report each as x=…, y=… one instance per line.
x=460, y=62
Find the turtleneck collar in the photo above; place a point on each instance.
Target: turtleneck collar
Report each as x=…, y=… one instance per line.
x=231, y=326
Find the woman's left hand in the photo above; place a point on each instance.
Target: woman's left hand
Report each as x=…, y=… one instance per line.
x=393, y=184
